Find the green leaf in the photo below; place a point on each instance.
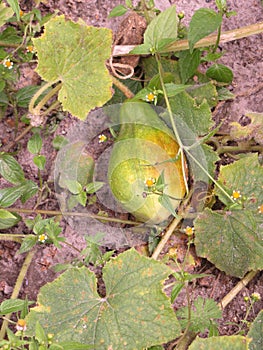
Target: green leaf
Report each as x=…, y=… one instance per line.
x=188, y=63
x=9, y=35
x=164, y=26
x=10, y=169
x=8, y=219
x=206, y=157
x=10, y=195
x=204, y=21
x=71, y=345
x=175, y=89
x=256, y=333
x=40, y=334
x=224, y=94
x=94, y=187
x=233, y=342
x=59, y=141
x=15, y=7
x=13, y=305
x=73, y=186
x=117, y=11
x=40, y=161
x=30, y=189
x=143, y=49
x=198, y=118
x=134, y=304
x=167, y=204
x=34, y=144
x=28, y=243
x=203, y=91
x=202, y=312
x=74, y=164
x=5, y=14
x=226, y=238
x=24, y=95
x=75, y=55
x=82, y=198
x=220, y=73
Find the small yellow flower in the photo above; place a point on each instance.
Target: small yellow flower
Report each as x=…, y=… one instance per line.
x=21, y=325
x=255, y=296
x=260, y=209
x=150, y=182
x=30, y=49
x=236, y=195
x=7, y=63
x=42, y=238
x=102, y=138
x=189, y=231
x=150, y=97
x=21, y=13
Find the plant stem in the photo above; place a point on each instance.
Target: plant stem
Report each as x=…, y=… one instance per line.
x=179, y=45
x=240, y=285
x=57, y=212
x=17, y=288
x=124, y=89
x=166, y=237
x=177, y=136
x=217, y=39
x=11, y=237
x=18, y=138
x=239, y=149
x=36, y=110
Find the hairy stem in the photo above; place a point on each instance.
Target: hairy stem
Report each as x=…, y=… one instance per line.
x=17, y=288
x=57, y=212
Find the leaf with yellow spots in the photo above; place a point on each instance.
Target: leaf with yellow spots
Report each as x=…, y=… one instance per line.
x=75, y=54
x=134, y=314
x=233, y=239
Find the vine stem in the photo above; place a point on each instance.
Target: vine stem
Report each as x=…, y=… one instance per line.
x=36, y=110
x=124, y=89
x=166, y=237
x=180, y=45
x=57, y=212
x=238, y=287
x=17, y=288
x=11, y=237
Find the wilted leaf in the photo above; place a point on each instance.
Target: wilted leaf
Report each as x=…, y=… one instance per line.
x=134, y=313
x=75, y=55
x=232, y=240
x=252, y=130
x=256, y=333
x=233, y=342
x=244, y=175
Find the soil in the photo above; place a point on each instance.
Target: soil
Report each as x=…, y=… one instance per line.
x=244, y=57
